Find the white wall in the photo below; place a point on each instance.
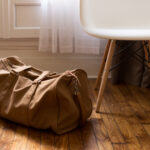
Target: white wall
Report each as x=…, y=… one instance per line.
x=0, y=18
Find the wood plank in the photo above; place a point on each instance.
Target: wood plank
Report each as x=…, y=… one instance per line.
x=127, y=132
x=2, y=124
x=34, y=140
x=111, y=125
x=75, y=140
x=120, y=147
x=116, y=106
x=100, y=131
x=139, y=131
x=61, y=142
x=47, y=140
x=7, y=137
x=21, y=138
x=147, y=128
x=88, y=137
x=144, y=141
x=133, y=121
x=143, y=101
x=119, y=99
x=109, y=122
x=131, y=99
x=101, y=134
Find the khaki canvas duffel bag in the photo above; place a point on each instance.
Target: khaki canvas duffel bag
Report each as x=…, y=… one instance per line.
x=42, y=99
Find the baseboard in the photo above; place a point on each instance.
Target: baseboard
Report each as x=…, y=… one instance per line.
x=57, y=63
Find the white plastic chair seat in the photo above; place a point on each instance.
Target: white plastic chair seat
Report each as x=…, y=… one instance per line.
x=116, y=19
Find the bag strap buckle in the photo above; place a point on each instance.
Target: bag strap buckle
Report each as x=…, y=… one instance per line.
x=41, y=77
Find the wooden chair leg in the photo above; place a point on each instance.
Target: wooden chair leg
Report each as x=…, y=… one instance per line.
x=98, y=81
x=149, y=53
x=145, y=51
x=105, y=74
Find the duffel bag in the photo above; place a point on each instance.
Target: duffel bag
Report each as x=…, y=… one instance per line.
x=42, y=99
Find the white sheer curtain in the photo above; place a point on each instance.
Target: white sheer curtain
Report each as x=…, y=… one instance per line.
x=61, y=31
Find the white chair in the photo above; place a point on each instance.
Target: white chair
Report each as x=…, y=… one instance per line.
x=114, y=20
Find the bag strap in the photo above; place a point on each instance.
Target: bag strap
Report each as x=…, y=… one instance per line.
x=22, y=68
x=79, y=99
x=14, y=70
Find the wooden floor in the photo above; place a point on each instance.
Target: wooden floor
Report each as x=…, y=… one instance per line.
x=123, y=124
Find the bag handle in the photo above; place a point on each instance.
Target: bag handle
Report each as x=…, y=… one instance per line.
x=43, y=75
x=22, y=68
x=14, y=70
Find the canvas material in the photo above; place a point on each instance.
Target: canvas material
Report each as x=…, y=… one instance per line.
x=42, y=99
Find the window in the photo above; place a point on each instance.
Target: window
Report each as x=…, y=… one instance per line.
x=19, y=18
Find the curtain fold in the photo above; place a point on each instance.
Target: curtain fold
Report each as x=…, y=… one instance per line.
x=61, y=32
